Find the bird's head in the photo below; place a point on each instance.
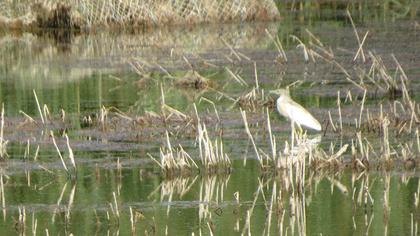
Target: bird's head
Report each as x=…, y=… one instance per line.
x=280, y=92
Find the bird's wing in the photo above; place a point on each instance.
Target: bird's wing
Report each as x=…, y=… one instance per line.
x=301, y=116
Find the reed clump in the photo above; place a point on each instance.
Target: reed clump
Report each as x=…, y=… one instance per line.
x=32, y=16
x=301, y=151
x=193, y=79
x=175, y=161
x=254, y=100
x=87, y=14
x=112, y=120
x=56, y=16
x=212, y=154
x=214, y=160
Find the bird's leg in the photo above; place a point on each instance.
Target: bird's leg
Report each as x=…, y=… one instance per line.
x=302, y=133
x=293, y=135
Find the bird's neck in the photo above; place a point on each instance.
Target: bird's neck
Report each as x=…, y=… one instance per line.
x=281, y=98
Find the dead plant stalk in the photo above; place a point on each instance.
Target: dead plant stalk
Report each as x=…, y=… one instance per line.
x=3, y=143
x=59, y=152
x=243, y=113
x=39, y=107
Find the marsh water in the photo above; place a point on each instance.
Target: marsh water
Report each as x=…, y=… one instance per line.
x=117, y=189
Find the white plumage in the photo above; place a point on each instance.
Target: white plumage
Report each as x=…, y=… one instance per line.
x=295, y=112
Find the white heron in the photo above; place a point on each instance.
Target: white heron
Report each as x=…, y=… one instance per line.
x=294, y=112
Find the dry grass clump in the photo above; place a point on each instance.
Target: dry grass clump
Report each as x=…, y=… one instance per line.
x=177, y=162
x=111, y=119
x=145, y=13
x=213, y=158
x=58, y=15
x=212, y=154
x=305, y=149
x=76, y=14
x=391, y=153
x=41, y=15
x=299, y=151
x=174, y=161
x=255, y=99
x=41, y=133
x=193, y=79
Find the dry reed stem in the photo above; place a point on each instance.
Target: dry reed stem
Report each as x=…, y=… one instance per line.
x=71, y=155
x=71, y=202
x=3, y=143
x=232, y=50
x=418, y=142
x=257, y=85
x=306, y=51
x=174, y=161
x=212, y=153
x=243, y=114
x=2, y=195
x=273, y=144
x=386, y=146
x=331, y=121
x=27, y=116
x=357, y=35
x=21, y=224
x=34, y=223
x=247, y=225
x=272, y=202
x=319, y=45
x=213, y=104
x=339, y=111
x=46, y=111
x=278, y=45
x=361, y=108
x=117, y=210
x=340, y=152
x=39, y=107
x=237, y=78
x=59, y=152
x=360, y=49
x=60, y=198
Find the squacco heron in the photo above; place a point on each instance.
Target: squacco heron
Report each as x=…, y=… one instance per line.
x=294, y=112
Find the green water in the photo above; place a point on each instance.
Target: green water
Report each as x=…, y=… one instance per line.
x=87, y=72
x=327, y=209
